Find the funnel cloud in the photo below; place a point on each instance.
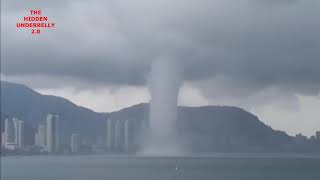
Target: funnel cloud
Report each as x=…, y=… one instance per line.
x=164, y=88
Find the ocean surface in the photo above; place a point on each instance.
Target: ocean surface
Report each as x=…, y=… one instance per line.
x=213, y=167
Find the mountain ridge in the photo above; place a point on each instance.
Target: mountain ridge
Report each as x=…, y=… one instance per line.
x=211, y=125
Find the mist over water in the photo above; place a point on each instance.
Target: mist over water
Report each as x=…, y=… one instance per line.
x=165, y=82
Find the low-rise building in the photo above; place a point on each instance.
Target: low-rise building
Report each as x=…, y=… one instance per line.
x=3, y=139
x=318, y=136
x=300, y=139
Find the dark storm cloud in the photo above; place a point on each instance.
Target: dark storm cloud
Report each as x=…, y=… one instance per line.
x=253, y=44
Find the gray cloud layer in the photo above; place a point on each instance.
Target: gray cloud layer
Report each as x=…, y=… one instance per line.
x=247, y=44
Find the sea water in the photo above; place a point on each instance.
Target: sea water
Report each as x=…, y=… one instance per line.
x=216, y=167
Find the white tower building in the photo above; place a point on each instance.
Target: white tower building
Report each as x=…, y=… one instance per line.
x=52, y=133
x=126, y=135
x=9, y=139
x=110, y=133
x=40, y=137
x=18, y=132
x=74, y=143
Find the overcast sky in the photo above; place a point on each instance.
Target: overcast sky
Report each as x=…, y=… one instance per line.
x=261, y=55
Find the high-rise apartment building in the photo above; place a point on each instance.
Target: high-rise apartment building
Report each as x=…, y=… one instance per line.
x=52, y=133
x=3, y=140
x=13, y=136
x=9, y=139
x=74, y=143
x=110, y=134
x=40, y=136
x=127, y=141
x=18, y=132
x=118, y=135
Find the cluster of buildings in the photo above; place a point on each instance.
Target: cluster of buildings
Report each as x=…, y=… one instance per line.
x=121, y=136
x=13, y=136
x=48, y=135
x=301, y=139
x=124, y=135
x=117, y=135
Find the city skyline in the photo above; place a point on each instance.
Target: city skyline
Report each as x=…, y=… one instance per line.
x=124, y=136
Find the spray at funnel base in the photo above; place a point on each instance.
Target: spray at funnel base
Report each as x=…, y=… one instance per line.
x=165, y=81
